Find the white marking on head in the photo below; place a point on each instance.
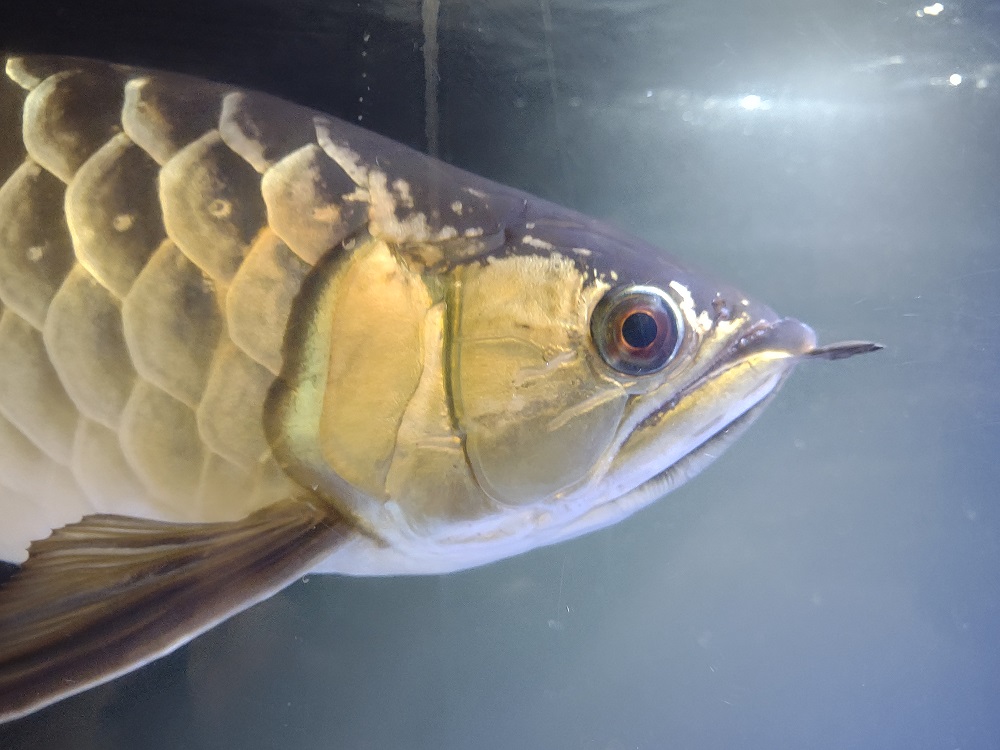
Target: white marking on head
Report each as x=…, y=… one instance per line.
x=402, y=188
x=535, y=242
x=701, y=322
x=347, y=159
x=687, y=301
x=386, y=224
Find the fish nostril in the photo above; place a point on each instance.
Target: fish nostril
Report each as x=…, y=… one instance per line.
x=721, y=309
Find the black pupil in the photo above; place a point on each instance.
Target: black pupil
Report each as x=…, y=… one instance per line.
x=639, y=330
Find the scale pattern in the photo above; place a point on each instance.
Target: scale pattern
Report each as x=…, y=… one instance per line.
x=154, y=231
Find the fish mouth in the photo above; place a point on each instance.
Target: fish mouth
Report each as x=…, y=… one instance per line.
x=744, y=368
x=764, y=341
x=774, y=348
x=698, y=422
x=741, y=379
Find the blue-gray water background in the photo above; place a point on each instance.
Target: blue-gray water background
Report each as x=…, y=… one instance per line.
x=832, y=582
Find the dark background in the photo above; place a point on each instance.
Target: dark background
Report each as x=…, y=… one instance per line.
x=834, y=581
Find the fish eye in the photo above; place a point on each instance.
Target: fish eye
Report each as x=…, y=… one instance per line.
x=637, y=329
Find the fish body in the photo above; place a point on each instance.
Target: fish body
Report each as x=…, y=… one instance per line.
x=251, y=340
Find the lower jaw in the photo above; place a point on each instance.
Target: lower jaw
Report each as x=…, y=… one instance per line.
x=691, y=463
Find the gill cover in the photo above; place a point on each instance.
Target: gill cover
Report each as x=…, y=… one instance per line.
x=431, y=398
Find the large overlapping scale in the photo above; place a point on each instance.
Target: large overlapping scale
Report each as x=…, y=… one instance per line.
x=154, y=231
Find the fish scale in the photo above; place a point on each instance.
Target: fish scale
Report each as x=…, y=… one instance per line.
x=149, y=257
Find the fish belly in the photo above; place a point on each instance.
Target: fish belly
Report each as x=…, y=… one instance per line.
x=154, y=231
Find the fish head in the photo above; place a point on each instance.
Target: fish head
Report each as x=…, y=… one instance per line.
x=469, y=391
x=597, y=373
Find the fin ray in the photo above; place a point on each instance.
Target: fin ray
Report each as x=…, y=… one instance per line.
x=103, y=596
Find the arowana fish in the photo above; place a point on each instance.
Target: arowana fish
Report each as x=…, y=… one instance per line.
x=241, y=341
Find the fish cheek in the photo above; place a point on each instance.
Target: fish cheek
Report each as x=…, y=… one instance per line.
x=537, y=414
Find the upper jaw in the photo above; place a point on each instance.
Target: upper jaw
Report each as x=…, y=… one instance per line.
x=774, y=339
x=786, y=336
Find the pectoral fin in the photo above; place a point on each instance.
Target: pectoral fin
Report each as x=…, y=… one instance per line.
x=103, y=596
